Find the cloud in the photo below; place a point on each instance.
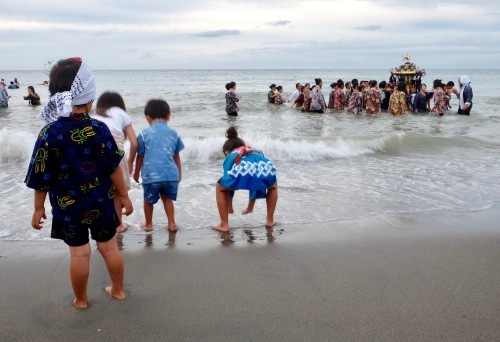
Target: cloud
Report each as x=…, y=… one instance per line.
x=218, y=33
x=368, y=28
x=279, y=23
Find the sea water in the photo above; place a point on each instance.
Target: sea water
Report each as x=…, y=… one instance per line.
x=331, y=166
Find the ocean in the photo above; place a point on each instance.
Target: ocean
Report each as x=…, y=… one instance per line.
x=331, y=166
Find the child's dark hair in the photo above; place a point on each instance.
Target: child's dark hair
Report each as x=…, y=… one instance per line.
x=227, y=86
x=107, y=100
x=63, y=74
x=373, y=83
x=272, y=86
x=317, y=81
x=32, y=89
x=278, y=88
x=450, y=84
x=232, y=141
x=382, y=84
x=157, y=109
x=340, y=83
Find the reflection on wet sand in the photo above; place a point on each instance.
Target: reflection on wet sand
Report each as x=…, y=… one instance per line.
x=171, y=239
x=250, y=236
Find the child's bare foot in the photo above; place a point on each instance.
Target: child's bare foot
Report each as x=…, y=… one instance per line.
x=230, y=211
x=147, y=227
x=172, y=227
x=270, y=224
x=122, y=227
x=115, y=294
x=224, y=228
x=246, y=211
x=80, y=304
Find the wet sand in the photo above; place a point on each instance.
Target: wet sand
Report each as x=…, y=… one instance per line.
x=403, y=277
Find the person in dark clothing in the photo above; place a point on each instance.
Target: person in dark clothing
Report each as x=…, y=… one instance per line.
x=420, y=101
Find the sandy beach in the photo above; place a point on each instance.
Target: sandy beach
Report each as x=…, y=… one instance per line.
x=396, y=277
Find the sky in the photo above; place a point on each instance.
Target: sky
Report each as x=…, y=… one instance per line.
x=251, y=34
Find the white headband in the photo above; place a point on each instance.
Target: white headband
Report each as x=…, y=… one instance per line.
x=82, y=92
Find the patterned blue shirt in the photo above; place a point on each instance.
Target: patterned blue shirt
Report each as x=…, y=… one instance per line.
x=158, y=144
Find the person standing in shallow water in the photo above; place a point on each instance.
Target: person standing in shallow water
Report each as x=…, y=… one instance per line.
x=231, y=98
x=76, y=162
x=465, y=96
x=33, y=97
x=239, y=159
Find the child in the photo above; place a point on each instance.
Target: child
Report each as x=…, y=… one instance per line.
x=110, y=109
x=75, y=161
x=262, y=180
x=231, y=98
x=159, y=162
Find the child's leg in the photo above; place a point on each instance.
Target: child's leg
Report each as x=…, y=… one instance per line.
x=230, y=209
x=168, y=204
x=249, y=209
x=79, y=273
x=271, y=200
x=118, y=207
x=114, y=263
x=222, y=204
x=148, y=214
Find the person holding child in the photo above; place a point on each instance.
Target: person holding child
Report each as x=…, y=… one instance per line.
x=110, y=109
x=245, y=168
x=159, y=163
x=76, y=162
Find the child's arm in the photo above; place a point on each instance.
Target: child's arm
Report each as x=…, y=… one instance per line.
x=177, y=160
x=121, y=190
x=138, y=166
x=39, y=212
x=130, y=134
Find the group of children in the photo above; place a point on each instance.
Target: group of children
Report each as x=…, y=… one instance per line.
x=78, y=161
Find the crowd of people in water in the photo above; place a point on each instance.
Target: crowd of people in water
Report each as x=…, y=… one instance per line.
x=396, y=97
x=33, y=98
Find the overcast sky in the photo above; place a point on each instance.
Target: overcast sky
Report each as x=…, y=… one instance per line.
x=196, y=34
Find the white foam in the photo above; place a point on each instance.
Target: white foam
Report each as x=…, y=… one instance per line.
x=17, y=146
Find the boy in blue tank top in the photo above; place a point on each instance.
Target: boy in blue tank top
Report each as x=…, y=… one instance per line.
x=158, y=162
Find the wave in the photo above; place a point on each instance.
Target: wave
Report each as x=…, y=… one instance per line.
x=17, y=146
x=204, y=150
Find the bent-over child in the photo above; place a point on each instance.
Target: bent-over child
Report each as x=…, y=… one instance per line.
x=261, y=180
x=158, y=163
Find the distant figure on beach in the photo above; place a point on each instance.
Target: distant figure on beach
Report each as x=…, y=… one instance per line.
x=440, y=102
x=449, y=88
x=347, y=93
x=231, y=98
x=318, y=104
x=299, y=100
x=331, y=97
x=420, y=100
x=465, y=96
x=110, y=109
x=44, y=83
x=293, y=96
x=306, y=97
x=33, y=97
x=373, y=99
x=245, y=168
x=384, y=103
x=278, y=99
x=4, y=96
x=397, y=103
x=355, y=104
x=339, y=96
x=12, y=85
x=159, y=163
x=76, y=162
x=271, y=94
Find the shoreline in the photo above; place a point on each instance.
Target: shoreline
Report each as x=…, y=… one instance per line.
x=429, y=276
